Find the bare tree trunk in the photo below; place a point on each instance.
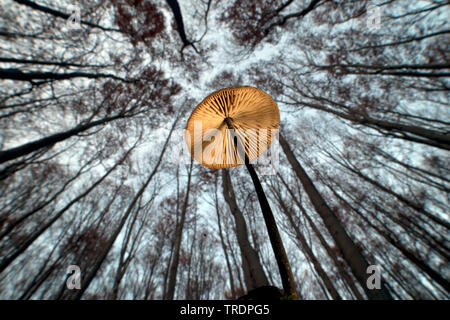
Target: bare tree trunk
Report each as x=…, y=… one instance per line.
x=166, y=274
x=235, y=262
x=254, y=275
x=175, y=7
x=130, y=208
x=18, y=75
x=324, y=243
x=172, y=239
x=388, y=235
x=24, y=246
x=225, y=252
x=123, y=261
x=12, y=225
x=284, y=267
x=405, y=131
x=178, y=236
x=307, y=250
x=349, y=250
x=49, y=141
x=188, y=295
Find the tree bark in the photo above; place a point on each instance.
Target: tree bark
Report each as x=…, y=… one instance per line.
x=49, y=141
x=350, y=252
x=24, y=246
x=130, y=208
x=417, y=134
x=178, y=237
x=284, y=267
x=323, y=242
x=308, y=251
x=222, y=241
x=388, y=235
x=18, y=75
x=254, y=275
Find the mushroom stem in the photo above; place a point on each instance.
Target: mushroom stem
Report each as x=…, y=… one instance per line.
x=279, y=251
x=284, y=267
x=229, y=123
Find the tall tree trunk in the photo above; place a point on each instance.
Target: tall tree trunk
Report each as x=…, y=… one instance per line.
x=350, y=252
x=18, y=75
x=307, y=250
x=49, y=141
x=178, y=236
x=254, y=275
x=349, y=281
x=123, y=262
x=12, y=225
x=284, y=267
x=188, y=294
x=130, y=208
x=24, y=246
x=241, y=282
x=407, y=132
x=225, y=252
x=279, y=251
x=172, y=239
x=390, y=238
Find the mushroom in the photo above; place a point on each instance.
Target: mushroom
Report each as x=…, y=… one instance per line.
x=249, y=111
x=234, y=126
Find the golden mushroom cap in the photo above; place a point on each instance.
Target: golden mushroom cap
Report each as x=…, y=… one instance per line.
x=251, y=112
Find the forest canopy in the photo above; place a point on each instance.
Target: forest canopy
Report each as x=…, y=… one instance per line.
x=94, y=174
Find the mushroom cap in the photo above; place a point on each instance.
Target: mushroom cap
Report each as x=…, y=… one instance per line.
x=251, y=112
